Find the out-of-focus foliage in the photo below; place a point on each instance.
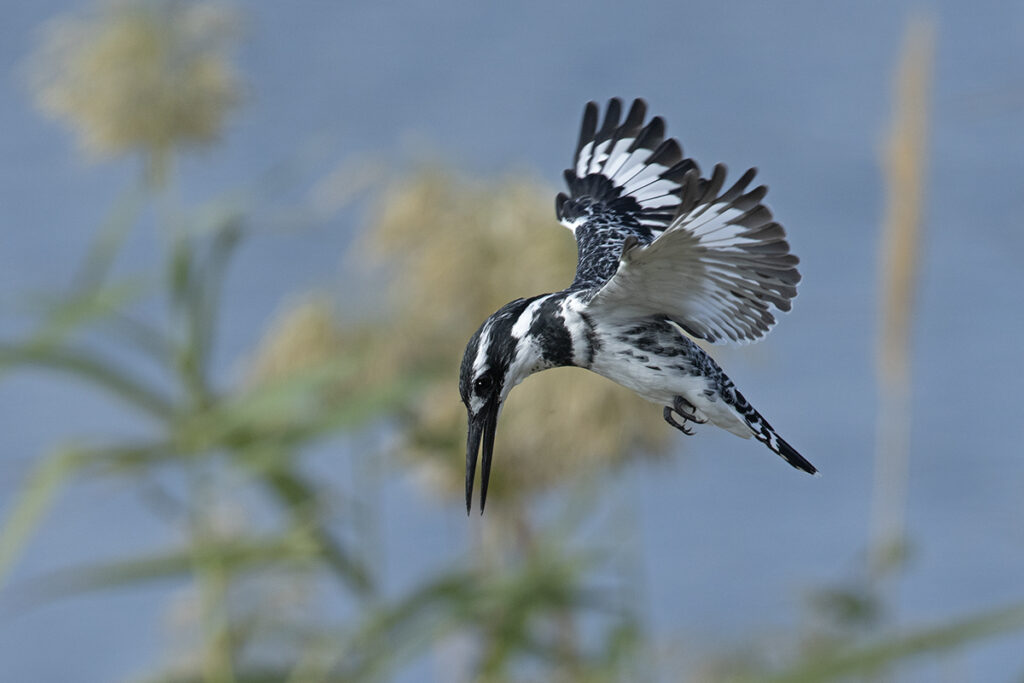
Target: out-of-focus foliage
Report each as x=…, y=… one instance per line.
x=140, y=75
x=264, y=587
x=277, y=564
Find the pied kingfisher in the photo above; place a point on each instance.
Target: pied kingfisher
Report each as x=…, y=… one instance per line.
x=663, y=254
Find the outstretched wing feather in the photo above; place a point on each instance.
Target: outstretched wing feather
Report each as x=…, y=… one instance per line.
x=718, y=270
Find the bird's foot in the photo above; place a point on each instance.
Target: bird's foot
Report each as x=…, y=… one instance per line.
x=672, y=421
x=687, y=410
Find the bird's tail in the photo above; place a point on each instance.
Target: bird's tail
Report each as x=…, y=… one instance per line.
x=779, y=445
x=628, y=166
x=767, y=435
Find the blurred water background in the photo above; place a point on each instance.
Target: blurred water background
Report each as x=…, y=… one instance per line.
x=725, y=547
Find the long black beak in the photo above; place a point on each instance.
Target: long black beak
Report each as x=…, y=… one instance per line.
x=481, y=426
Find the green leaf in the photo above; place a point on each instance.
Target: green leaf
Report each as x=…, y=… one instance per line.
x=90, y=296
x=250, y=674
x=502, y=605
x=301, y=500
x=129, y=457
x=300, y=407
x=179, y=270
x=34, y=498
x=392, y=634
x=89, y=368
x=197, y=291
x=233, y=556
x=108, y=242
x=67, y=314
x=143, y=337
x=868, y=659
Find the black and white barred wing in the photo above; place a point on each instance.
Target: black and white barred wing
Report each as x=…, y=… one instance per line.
x=625, y=182
x=626, y=168
x=719, y=269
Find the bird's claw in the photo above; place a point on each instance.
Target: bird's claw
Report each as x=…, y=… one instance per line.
x=687, y=410
x=672, y=421
x=684, y=409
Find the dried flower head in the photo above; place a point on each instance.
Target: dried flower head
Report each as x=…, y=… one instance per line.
x=301, y=337
x=457, y=251
x=139, y=75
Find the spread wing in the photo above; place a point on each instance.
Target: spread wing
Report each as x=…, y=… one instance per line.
x=718, y=270
x=626, y=182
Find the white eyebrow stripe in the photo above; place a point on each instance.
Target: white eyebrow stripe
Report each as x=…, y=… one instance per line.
x=480, y=362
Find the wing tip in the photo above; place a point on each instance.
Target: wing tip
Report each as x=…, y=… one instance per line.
x=633, y=160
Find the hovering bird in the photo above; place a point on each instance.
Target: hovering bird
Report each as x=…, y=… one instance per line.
x=664, y=254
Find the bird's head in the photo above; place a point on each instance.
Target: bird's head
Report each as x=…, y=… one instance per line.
x=500, y=355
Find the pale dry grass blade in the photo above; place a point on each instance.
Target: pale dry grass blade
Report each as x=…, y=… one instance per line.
x=904, y=162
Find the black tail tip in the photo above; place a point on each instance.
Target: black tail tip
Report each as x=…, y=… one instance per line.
x=795, y=459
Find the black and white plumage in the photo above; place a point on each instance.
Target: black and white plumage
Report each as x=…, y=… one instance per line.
x=663, y=254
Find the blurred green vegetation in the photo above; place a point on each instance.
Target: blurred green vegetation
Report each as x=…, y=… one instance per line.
x=299, y=598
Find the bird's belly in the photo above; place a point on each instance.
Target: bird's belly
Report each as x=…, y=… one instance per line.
x=659, y=363
x=655, y=382
x=662, y=386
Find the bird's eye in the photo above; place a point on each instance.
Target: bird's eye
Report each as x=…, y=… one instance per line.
x=483, y=384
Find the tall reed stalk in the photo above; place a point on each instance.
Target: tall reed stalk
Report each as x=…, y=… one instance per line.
x=904, y=162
